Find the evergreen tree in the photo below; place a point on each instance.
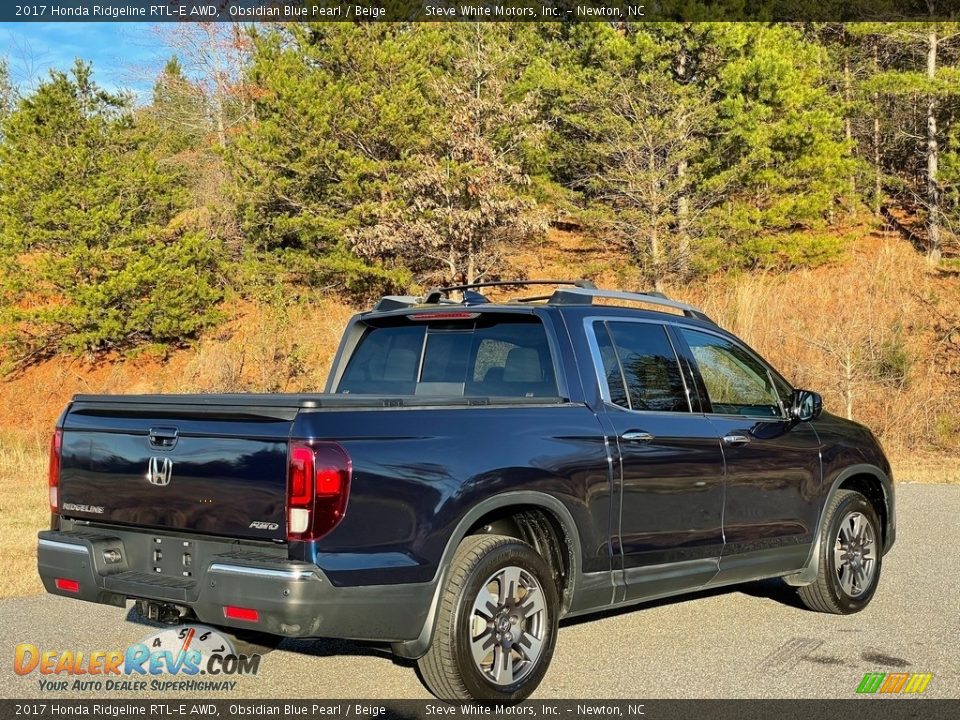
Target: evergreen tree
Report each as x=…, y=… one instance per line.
x=780, y=156
x=921, y=84
x=92, y=255
x=338, y=108
x=179, y=109
x=640, y=129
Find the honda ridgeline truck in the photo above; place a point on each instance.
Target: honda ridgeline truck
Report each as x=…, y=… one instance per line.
x=473, y=473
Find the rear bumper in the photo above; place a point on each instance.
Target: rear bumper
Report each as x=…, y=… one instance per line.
x=292, y=599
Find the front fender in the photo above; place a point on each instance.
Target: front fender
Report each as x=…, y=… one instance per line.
x=809, y=574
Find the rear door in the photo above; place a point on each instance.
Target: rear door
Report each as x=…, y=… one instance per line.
x=177, y=466
x=669, y=521
x=772, y=462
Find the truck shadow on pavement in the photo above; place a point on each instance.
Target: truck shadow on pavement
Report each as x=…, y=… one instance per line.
x=317, y=647
x=773, y=589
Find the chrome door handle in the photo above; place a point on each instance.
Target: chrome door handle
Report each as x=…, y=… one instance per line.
x=636, y=436
x=736, y=439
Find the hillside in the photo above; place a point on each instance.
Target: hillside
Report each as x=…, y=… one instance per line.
x=877, y=333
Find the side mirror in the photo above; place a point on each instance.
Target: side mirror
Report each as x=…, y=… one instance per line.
x=807, y=405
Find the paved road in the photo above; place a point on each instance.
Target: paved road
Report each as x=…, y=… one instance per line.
x=749, y=641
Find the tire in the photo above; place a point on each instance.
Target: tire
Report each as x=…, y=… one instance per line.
x=840, y=588
x=497, y=587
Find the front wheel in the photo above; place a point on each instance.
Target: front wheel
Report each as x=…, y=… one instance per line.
x=851, y=554
x=496, y=624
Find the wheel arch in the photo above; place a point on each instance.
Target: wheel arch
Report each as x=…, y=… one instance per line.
x=871, y=482
x=493, y=515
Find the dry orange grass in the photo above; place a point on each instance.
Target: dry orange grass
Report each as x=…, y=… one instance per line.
x=23, y=511
x=877, y=334
x=260, y=350
x=866, y=333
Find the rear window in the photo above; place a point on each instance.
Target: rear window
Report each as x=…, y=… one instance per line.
x=501, y=356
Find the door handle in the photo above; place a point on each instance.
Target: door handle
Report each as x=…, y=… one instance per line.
x=636, y=436
x=736, y=439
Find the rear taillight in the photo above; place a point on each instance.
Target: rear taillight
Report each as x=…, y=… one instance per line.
x=53, y=471
x=318, y=485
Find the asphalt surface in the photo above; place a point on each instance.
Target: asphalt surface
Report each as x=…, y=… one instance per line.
x=747, y=641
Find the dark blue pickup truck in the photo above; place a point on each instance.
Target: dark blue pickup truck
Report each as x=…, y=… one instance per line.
x=473, y=473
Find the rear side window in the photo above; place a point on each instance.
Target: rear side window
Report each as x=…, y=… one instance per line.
x=492, y=356
x=641, y=368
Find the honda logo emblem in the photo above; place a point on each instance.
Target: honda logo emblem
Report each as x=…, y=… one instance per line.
x=159, y=471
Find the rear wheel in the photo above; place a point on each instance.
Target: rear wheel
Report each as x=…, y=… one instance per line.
x=851, y=547
x=496, y=625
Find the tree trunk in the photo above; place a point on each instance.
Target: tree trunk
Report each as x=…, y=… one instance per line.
x=656, y=262
x=848, y=387
x=847, y=127
x=655, y=207
x=933, y=156
x=683, y=201
x=877, y=171
x=471, y=263
x=221, y=125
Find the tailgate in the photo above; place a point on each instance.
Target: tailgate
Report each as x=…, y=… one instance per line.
x=200, y=465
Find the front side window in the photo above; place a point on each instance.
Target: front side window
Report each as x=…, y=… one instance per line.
x=641, y=368
x=736, y=383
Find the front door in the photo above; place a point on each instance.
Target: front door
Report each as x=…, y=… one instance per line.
x=668, y=525
x=772, y=462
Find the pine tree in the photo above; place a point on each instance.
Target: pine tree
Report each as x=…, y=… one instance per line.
x=639, y=126
x=179, y=109
x=338, y=109
x=920, y=82
x=92, y=256
x=780, y=154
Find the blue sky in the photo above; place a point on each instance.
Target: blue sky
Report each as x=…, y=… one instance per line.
x=124, y=55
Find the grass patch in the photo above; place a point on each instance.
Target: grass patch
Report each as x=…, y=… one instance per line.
x=23, y=512
x=927, y=470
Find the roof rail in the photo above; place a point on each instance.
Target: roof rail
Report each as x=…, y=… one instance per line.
x=585, y=296
x=509, y=283
x=399, y=302
x=435, y=296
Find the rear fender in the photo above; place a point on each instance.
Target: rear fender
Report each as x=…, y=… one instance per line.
x=413, y=649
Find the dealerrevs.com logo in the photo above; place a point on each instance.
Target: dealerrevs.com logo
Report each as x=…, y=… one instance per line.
x=186, y=651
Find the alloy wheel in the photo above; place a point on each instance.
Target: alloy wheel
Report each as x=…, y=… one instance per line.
x=855, y=554
x=508, y=626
